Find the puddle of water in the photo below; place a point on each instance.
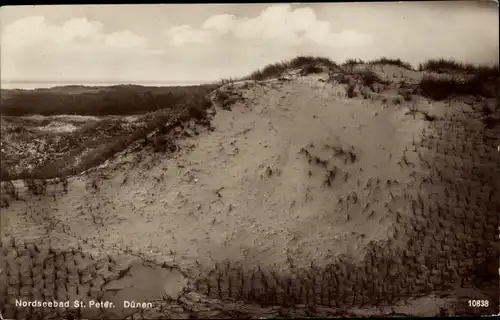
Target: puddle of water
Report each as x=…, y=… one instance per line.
x=142, y=283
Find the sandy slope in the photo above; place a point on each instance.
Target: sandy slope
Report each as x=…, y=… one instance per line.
x=295, y=172
x=272, y=201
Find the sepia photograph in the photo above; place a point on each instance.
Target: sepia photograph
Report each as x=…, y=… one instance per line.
x=223, y=161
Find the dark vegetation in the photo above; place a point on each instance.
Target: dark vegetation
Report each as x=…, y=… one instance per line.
x=447, y=65
x=105, y=138
x=394, y=62
x=465, y=80
x=96, y=101
x=442, y=88
x=309, y=64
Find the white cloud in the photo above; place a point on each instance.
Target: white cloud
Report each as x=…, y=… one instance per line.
x=186, y=34
x=74, y=34
x=221, y=23
x=282, y=24
x=125, y=39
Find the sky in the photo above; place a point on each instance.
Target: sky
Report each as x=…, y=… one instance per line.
x=197, y=43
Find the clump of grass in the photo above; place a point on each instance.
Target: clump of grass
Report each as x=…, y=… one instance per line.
x=349, y=64
x=36, y=187
x=270, y=71
x=311, y=69
x=490, y=122
x=427, y=116
x=406, y=95
x=351, y=90
x=442, y=88
x=394, y=62
x=226, y=99
x=338, y=77
x=366, y=94
x=303, y=61
x=276, y=70
x=11, y=190
x=369, y=78
x=413, y=110
x=446, y=65
x=353, y=62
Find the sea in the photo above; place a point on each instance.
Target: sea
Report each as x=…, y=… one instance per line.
x=31, y=85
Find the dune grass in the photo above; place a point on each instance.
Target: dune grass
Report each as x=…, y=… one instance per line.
x=391, y=61
x=443, y=88
x=447, y=65
x=276, y=70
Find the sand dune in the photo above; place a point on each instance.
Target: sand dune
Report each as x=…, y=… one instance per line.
x=342, y=203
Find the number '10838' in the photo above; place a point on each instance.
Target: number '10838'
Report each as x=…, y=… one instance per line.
x=479, y=303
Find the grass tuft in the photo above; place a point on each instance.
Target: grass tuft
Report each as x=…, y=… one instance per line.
x=309, y=64
x=446, y=65
x=442, y=88
x=394, y=62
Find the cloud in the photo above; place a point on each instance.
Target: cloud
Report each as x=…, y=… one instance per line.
x=125, y=39
x=186, y=34
x=74, y=34
x=221, y=23
x=277, y=24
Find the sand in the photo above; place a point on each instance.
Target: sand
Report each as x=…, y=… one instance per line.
x=294, y=175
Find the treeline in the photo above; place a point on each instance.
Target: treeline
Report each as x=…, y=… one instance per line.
x=96, y=101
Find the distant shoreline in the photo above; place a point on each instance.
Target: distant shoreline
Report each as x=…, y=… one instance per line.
x=33, y=85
